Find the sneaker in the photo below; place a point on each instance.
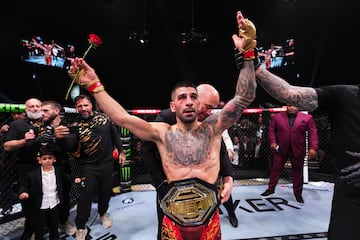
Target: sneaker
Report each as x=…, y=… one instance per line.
x=268, y=193
x=68, y=228
x=299, y=199
x=81, y=234
x=106, y=221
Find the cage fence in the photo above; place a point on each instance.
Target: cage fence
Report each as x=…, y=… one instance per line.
x=251, y=168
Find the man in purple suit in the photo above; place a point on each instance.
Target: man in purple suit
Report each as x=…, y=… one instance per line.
x=287, y=135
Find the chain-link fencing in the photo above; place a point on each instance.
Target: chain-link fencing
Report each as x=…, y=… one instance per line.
x=133, y=176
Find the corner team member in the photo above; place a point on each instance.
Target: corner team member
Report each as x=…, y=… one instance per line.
x=20, y=138
x=98, y=137
x=64, y=142
x=189, y=149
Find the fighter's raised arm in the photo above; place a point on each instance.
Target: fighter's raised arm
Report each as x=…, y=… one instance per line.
x=244, y=95
x=246, y=85
x=303, y=97
x=88, y=79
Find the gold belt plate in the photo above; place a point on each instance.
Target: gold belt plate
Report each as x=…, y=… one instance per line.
x=189, y=203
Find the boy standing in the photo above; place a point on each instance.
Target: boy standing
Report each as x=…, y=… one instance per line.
x=43, y=191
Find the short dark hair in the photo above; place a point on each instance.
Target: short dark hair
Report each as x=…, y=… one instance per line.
x=52, y=103
x=82, y=96
x=47, y=150
x=182, y=84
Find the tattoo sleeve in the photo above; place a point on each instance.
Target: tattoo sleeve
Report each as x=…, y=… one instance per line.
x=244, y=95
x=303, y=97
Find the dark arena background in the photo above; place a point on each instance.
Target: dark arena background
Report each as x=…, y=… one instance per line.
x=149, y=45
x=152, y=44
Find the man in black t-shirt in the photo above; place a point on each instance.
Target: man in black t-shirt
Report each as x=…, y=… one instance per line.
x=98, y=137
x=21, y=139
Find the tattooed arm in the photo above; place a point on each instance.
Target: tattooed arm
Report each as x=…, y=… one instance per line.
x=303, y=97
x=244, y=95
x=246, y=84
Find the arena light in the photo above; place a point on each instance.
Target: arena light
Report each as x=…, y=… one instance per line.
x=144, y=38
x=192, y=37
x=141, y=38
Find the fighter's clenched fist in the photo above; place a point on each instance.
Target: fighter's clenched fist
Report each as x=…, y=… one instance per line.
x=247, y=31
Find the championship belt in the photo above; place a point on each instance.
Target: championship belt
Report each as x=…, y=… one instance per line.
x=190, y=202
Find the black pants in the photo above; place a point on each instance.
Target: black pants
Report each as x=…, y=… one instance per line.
x=229, y=206
x=160, y=215
x=345, y=217
x=28, y=224
x=46, y=218
x=98, y=180
x=65, y=206
x=23, y=170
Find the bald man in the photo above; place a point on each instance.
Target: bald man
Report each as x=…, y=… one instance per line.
x=19, y=138
x=209, y=99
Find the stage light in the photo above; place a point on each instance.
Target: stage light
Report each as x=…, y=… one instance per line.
x=133, y=35
x=192, y=37
x=184, y=38
x=141, y=38
x=203, y=39
x=144, y=38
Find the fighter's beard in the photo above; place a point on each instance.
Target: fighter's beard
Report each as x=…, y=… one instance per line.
x=50, y=120
x=34, y=115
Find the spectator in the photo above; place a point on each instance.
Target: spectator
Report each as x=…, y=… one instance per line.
x=260, y=156
x=288, y=53
x=246, y=150
x=236, y=143
x=137, y=165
